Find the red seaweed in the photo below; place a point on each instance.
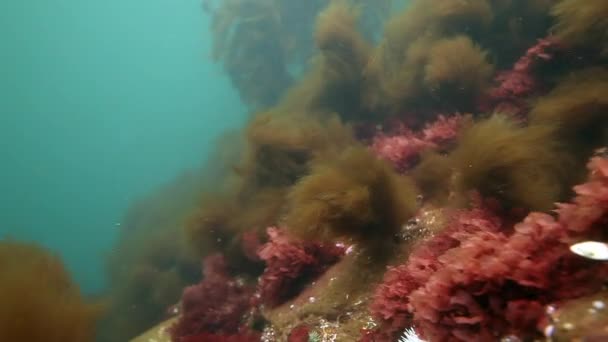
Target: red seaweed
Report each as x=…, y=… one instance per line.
x=299, y=334
x=402, y=148
x=516, y=85
x=216, y=305
x=292, y=264
x=479, y=277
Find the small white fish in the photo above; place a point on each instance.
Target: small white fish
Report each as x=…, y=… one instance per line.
x=409, y=335
x=591, y=250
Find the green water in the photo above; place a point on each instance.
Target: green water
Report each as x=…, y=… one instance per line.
x=100, y=102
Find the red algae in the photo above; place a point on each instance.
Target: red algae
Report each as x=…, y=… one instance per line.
x=291, y=264
x=299, y=334
x=217, y=305
x=358, y=153
x=516, y=85
x=403, y=147
x=479, y=279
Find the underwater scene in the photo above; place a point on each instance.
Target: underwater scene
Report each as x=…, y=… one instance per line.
x=304, y=171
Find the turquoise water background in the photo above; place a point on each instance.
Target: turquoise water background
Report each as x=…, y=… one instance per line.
x=100, y=103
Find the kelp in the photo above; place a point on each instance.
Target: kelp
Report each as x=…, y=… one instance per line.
x=245, y=39
x=342, y=58
x=303, y=164
x=579, y=107
x=150, y=264
x=354, y=197
x=278, y=151
x=264, y=45
x=457, y=68
x=396, y=68
x=432, y=176
x=522, y=166
x=582, y=24
x=280, y=144
x=40, y=301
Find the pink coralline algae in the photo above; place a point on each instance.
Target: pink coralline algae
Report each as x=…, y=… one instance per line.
x=519, y=83
x=214, y=307
x=480, y=278
x=291, y=265
x=403, y=147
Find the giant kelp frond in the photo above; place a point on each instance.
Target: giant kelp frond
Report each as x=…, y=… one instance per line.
x=354, y=196
x=39, y=300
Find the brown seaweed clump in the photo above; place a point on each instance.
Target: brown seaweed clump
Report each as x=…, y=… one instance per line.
x=522, y=166
x=265, y=44
x=450, y=45
x=432, y=176
x=582, y=23
x=397, y=66
x=150, y=264
x=579, y=107
x=458, y=68
x=343, y=56
x=278, y=153
x=530, y=166
x=354, y=196
x=336, y=82
x=280, y=145
x=40, y=302
x=251, y=41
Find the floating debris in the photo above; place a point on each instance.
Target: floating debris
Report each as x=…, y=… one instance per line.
x=591, y=250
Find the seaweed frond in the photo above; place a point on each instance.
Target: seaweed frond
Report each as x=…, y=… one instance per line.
x=521, y=166
x=582, y=23
x=458, y=67
x=579, y=107
x=354, y=196
x=39, y=300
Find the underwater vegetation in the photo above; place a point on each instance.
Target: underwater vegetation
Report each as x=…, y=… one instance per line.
x=265, y=45
x=150, y=264
x=471, y=281
x=582, y=26
x=40, y=302
x=353, y=197
x=427, y=179
x=214, y=306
